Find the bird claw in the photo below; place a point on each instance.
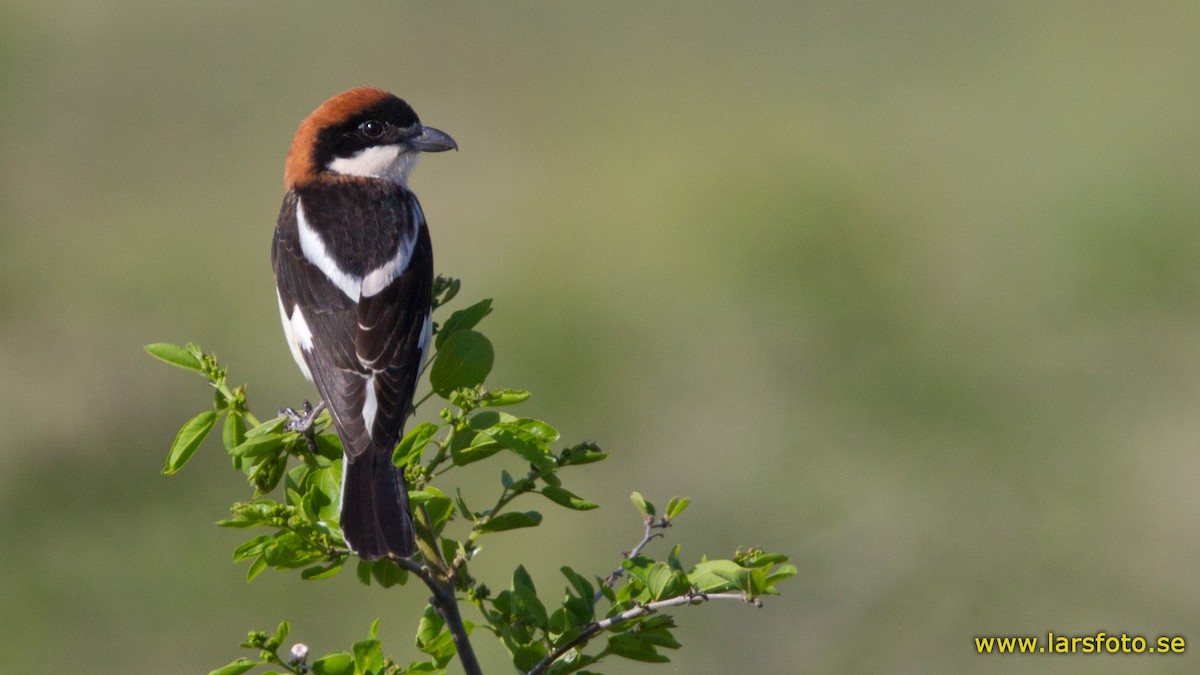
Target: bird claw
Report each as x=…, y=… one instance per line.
x=302, y=422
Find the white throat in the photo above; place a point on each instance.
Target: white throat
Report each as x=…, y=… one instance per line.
x=388, y=162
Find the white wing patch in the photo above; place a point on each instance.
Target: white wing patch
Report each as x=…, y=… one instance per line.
x=298, y=334
x=370, y=405
x=381, y=277
x=423, y=341
x=388, y=162
x=315, y=252
x=342, y=488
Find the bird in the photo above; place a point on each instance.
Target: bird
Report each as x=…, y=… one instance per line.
x=353, y=267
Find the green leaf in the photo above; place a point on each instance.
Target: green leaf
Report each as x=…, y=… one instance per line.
x=633, y=646
x=256, y=568
x=265, y=475
x=566, y=498
x=188, y=439
x=234, y=431
x=482, y=446
x=715, y=576
x=638, y=568
x=522, y=441
x=323, y=571
x=676, y=507
x=564, y=624
x=430, y=626
x=290, y=550
x=433, y=638
x=536, y=428
x=529, y=608
x=573, y=661
x=295, y=499
x=510, y=521
x=238, y=520
x=582, y=586
x=579, y=612
x=368, y=656
x=337, y=663
x=663, y=582
x=464, y=360
x=323, y=490
x=642, y=505
x=521, y=577
x=498, y=397
x=673, y=559
x=413, y=443
x=281, y=633
x=452, y=548
x=437, y=504
x=253, y=547
x=463, y=319
x=425, y=495
x=779, y=575
x=176, y=356
x=242, y=665
x=271, y=426
x=387, y=573
x=486, y=419
x=657, y=631
x=551, y=478
x=256, y=446
x=329, y=446
x=462, y=505
x=528, y=655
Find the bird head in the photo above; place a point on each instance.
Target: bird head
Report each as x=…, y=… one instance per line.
x=365, y=133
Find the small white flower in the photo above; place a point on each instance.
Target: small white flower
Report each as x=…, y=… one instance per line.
x=299, y=653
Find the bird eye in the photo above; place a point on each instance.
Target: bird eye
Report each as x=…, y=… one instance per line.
x=371, y=128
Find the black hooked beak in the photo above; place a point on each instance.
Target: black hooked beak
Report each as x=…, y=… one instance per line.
x=431, y=140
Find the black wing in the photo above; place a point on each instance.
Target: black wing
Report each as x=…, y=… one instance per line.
x=359, y=342
x=393, y=328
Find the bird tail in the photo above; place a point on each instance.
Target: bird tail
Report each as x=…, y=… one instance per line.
x=375, y=516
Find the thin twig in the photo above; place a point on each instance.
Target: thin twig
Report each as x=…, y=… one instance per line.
x=650, y=524
x=446, y=603
x=690, y=598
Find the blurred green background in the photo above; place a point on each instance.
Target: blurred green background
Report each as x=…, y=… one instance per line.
x=909, y=291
